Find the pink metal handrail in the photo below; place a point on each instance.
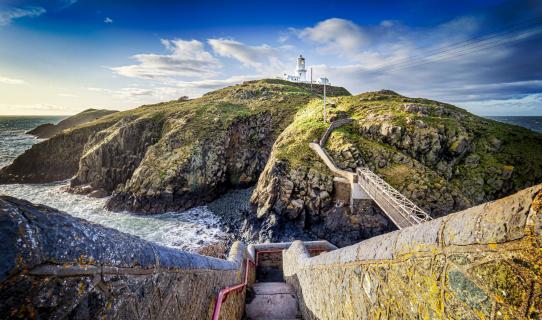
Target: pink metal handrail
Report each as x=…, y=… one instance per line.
x=224, y=292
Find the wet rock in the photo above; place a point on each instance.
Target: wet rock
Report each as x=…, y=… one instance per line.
x=53, y=265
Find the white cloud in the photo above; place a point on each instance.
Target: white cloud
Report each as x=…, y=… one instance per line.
x=336, y=35
x=35, y=109
x=186, y=59
x=163, y=93
x=108, y=20
x=7, y=80
x=263, y=58
x=8, y=15
x=216, y=83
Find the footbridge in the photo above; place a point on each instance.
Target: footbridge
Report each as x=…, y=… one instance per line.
x=365, y=184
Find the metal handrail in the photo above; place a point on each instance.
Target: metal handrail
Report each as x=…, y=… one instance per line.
x=224, y=292
x=252, y=260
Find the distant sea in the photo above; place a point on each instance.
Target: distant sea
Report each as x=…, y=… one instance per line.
x=186, y=230
x=533, y=123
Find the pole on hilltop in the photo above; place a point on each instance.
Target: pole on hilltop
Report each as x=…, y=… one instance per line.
x=325, y=113
x=311, y=79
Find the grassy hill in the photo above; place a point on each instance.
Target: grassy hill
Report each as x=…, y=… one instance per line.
x=440, y=156
x=171, y=155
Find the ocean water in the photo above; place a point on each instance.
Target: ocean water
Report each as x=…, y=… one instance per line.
x=533, y=123
x=13, y=141
x=186, y=230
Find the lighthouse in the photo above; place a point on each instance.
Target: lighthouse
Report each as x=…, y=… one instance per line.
x=300, y=70
x=300, y=74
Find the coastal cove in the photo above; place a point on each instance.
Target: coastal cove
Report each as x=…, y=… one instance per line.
x=186, y=230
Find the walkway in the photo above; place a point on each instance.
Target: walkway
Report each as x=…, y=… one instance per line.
x=365, y=184
x=272, y=300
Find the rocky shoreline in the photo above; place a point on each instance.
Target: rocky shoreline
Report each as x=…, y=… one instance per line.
x=181, y=154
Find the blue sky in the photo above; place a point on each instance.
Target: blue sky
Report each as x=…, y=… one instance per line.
x=62, y=56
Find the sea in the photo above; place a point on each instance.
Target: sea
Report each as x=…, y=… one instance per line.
x=533, y=123
x=186, y=230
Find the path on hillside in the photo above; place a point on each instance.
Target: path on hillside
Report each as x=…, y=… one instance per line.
x=365, y=184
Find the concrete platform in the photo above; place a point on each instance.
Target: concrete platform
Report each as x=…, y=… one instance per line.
x=272, y=300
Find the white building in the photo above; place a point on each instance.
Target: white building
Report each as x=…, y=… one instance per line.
x=301, y=74
x=323, y=80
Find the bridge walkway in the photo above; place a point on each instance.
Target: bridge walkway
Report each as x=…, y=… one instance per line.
x=365, y=184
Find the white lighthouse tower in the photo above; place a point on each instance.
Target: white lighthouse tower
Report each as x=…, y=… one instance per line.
x=300, y=70
x=301, y=74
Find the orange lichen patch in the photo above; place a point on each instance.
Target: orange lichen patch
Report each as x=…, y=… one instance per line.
x=81, y=288
x=84, y=260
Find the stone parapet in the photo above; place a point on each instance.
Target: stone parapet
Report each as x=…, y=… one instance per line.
x=53, y=266
x=481, y=263
x=334, y=125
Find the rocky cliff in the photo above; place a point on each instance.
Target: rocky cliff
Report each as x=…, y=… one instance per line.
x=56, y=266
x=173, y=155
x=184, y=153
x=439, y=156
x=49, y=130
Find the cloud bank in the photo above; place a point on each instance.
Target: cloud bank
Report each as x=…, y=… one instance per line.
x=475, y=61
x=186, y=59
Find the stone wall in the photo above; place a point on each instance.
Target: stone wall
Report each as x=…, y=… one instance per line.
x=481, y=263
x=55, y=266
x=334, y=125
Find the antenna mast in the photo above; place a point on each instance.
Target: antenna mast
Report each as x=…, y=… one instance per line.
x=311, y=79
x=325, y=113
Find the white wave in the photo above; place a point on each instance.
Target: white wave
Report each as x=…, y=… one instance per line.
x=186, y=230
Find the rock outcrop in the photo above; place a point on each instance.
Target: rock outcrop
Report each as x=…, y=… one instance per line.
x=55, y=266
x=481, y=263
x=48, y=130
x=441, y=157
x=230, y=158
x=173, y=155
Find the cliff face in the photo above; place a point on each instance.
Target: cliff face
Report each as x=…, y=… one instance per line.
x=439, y=156
x=111, y=155
x=173, y=155
x=49, y=130
x=173, y=179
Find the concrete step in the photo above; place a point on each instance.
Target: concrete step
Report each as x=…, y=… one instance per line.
x=272, y=300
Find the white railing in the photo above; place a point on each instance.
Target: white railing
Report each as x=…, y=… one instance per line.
x=401, y=210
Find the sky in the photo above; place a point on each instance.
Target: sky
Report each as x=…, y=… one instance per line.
x=60, y=57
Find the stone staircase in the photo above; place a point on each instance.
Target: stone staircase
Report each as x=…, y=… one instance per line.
x=272, y=300
x=270, y=297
